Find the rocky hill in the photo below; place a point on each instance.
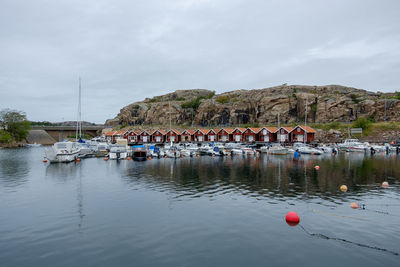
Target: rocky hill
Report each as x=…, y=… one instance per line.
x=204, y=108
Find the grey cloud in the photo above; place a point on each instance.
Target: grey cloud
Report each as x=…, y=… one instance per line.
x=128, y=50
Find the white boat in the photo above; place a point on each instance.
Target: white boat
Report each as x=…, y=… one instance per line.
x=118, y=152
x=33, y=145
x=101, y=149
x=304, y=149
x=173, y=152
x=85, y=150
x=62, y=152
x=357, y=148
x=248, y=151
x=237, y=151
x=217, y=151
x=274, y=149
x=325, y=149
x=350, y=144
x=186, y=152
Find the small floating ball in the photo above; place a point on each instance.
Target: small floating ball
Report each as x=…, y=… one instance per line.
x=45, y=160
x=354, y=205
x=149, y=158
x=312, y=153
x=292, y=218
x=385, y=184
x=105, y=159
x=343, y=188
x=316, y=167
x=78, y=160
x=128, y=158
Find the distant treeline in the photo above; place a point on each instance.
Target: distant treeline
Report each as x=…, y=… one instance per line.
x=65, y=123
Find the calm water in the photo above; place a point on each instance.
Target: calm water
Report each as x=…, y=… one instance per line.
x=198, y=211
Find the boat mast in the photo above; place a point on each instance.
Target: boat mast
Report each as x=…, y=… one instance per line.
x=80, y=109
x=305, y=122
x=169, y=104
x=78, y=120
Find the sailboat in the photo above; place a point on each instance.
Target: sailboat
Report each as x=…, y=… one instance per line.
x=66, y=151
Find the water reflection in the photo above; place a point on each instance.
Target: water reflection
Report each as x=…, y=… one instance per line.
x=267, y=176
x=62, y=171
x=14, y=168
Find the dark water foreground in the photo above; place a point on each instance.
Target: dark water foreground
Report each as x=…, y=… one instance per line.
x=198, y=211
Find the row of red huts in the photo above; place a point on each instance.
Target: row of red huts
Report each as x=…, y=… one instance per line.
x=238, y=135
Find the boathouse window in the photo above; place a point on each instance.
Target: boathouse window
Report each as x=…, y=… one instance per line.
x=264, y=132
x=298, y=130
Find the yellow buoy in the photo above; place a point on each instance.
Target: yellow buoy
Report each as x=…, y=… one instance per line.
x=343, y=188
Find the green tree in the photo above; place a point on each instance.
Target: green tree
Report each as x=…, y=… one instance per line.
x=361, y=122
x=5, y=137
x=14, y=123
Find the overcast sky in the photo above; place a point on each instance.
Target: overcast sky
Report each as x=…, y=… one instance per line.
x=128, y=50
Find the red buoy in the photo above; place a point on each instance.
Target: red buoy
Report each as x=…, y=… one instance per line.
x=316, y=167
x=292, y=218
x=354, y=205
x=77, y=159
x=45, y=160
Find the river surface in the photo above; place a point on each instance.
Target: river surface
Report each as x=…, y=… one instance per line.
x=199, y=211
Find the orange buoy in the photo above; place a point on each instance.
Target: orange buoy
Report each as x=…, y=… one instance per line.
x=128, y=158
x=105, y=159
x=383, y=154
x=312, y=153
x=354, y=205
x=198, y=156
x=385, y=184
x=343, y=188
x=292, y=218
x=77, y=159
x=45, y=160
x=316, y=167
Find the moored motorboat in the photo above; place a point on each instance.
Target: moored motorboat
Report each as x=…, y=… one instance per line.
x=62, y=152
x=139, y=153
x=275, y=149
x=118, y=152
